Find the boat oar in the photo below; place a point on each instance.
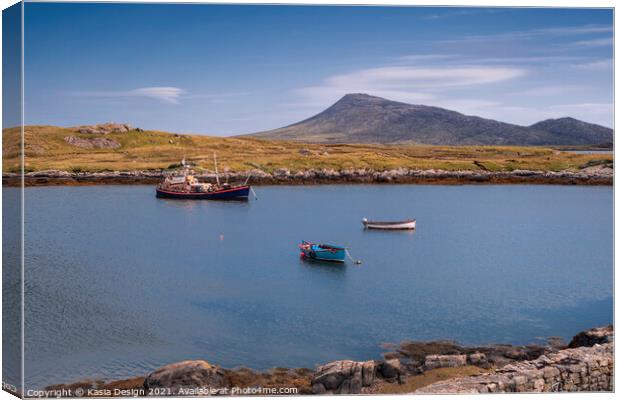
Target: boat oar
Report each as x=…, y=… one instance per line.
x=351, y=257
x=254, y=193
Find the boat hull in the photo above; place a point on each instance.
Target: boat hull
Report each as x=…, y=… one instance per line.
x=237, y=193
x=317, y=253
x=399, y=225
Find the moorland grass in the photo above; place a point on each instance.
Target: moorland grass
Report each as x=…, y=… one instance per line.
x=45, y=148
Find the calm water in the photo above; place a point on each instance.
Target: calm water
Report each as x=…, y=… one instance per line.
x=119, y=282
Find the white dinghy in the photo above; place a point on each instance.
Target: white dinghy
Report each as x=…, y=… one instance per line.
x=389, y=225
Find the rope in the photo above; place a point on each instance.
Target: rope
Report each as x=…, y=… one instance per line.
x=351, y=257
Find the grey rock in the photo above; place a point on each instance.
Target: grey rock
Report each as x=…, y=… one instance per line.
x=343, y=377
x=318, y=388
x=593, y=336
x=284, y=175
x=477, y=358
x=390, y=369
x=93, y=143
x=368, y=373
x=186, y=375
x=445, y=361
x=104, y=129
x=573, y=369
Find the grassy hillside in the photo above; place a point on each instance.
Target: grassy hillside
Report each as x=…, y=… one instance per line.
x=46, y=149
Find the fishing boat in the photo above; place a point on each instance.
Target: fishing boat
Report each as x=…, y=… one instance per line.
x=322, y=252
x=184, y=185
x=407, y=224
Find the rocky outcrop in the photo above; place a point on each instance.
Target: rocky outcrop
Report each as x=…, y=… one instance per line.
x=587, y=365
x=390, y=370
x=186, y=375
x=93, y=143
x=447, y=361
x=478, y=359
x=104, y=129
x=538, y=367
x=572, y=370
x=584, y=368
x=284, y=176
x=349, y=377
x=343, y=377
x=593, y=336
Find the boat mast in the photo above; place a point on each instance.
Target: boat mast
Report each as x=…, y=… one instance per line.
x=184, y=165
x=217, y=176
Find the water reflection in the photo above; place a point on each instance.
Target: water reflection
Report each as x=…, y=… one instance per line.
x=323, y=266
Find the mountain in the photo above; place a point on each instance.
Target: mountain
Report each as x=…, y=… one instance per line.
x=576, y=131
x=361, y=118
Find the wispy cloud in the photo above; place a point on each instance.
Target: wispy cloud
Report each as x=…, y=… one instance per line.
x=532, y=60
x=464, y=60
x=550, y=90
x=416, y=77
x=574, y=30
x=601, y=107
x=532, y=34
x=598, y=42
x=461, y=13
x=406, y=83
x=164, y=94
x=414, y=58
x=597, y=65
x=225, y=97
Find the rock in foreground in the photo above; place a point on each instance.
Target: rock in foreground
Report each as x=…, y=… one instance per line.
x=587, y=369
x=586, y=366
x=539, y=369
x=593, y=336
x=185, y=375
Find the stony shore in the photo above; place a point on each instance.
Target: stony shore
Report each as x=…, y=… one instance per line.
x=585, y=364
x=595, y=175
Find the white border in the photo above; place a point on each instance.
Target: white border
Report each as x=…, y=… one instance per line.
x=430, y=3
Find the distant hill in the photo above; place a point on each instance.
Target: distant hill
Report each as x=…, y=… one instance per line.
x=361, y=118
x=575, y=131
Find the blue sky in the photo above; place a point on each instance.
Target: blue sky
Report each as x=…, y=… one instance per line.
x=217, y=69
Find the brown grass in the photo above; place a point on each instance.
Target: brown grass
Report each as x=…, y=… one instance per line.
x=45, y=148
x=413, y=383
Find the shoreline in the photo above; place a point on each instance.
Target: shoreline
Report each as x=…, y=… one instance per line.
x=597, y=175
x=584, y=364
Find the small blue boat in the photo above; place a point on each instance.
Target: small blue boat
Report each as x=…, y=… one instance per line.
x=322, y=252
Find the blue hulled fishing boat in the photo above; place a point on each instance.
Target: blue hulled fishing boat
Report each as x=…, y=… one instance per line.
x=322, y=252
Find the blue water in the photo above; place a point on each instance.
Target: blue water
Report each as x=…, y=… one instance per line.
x=119, y=282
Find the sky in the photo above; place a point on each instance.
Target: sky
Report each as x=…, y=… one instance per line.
x=232, y=69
